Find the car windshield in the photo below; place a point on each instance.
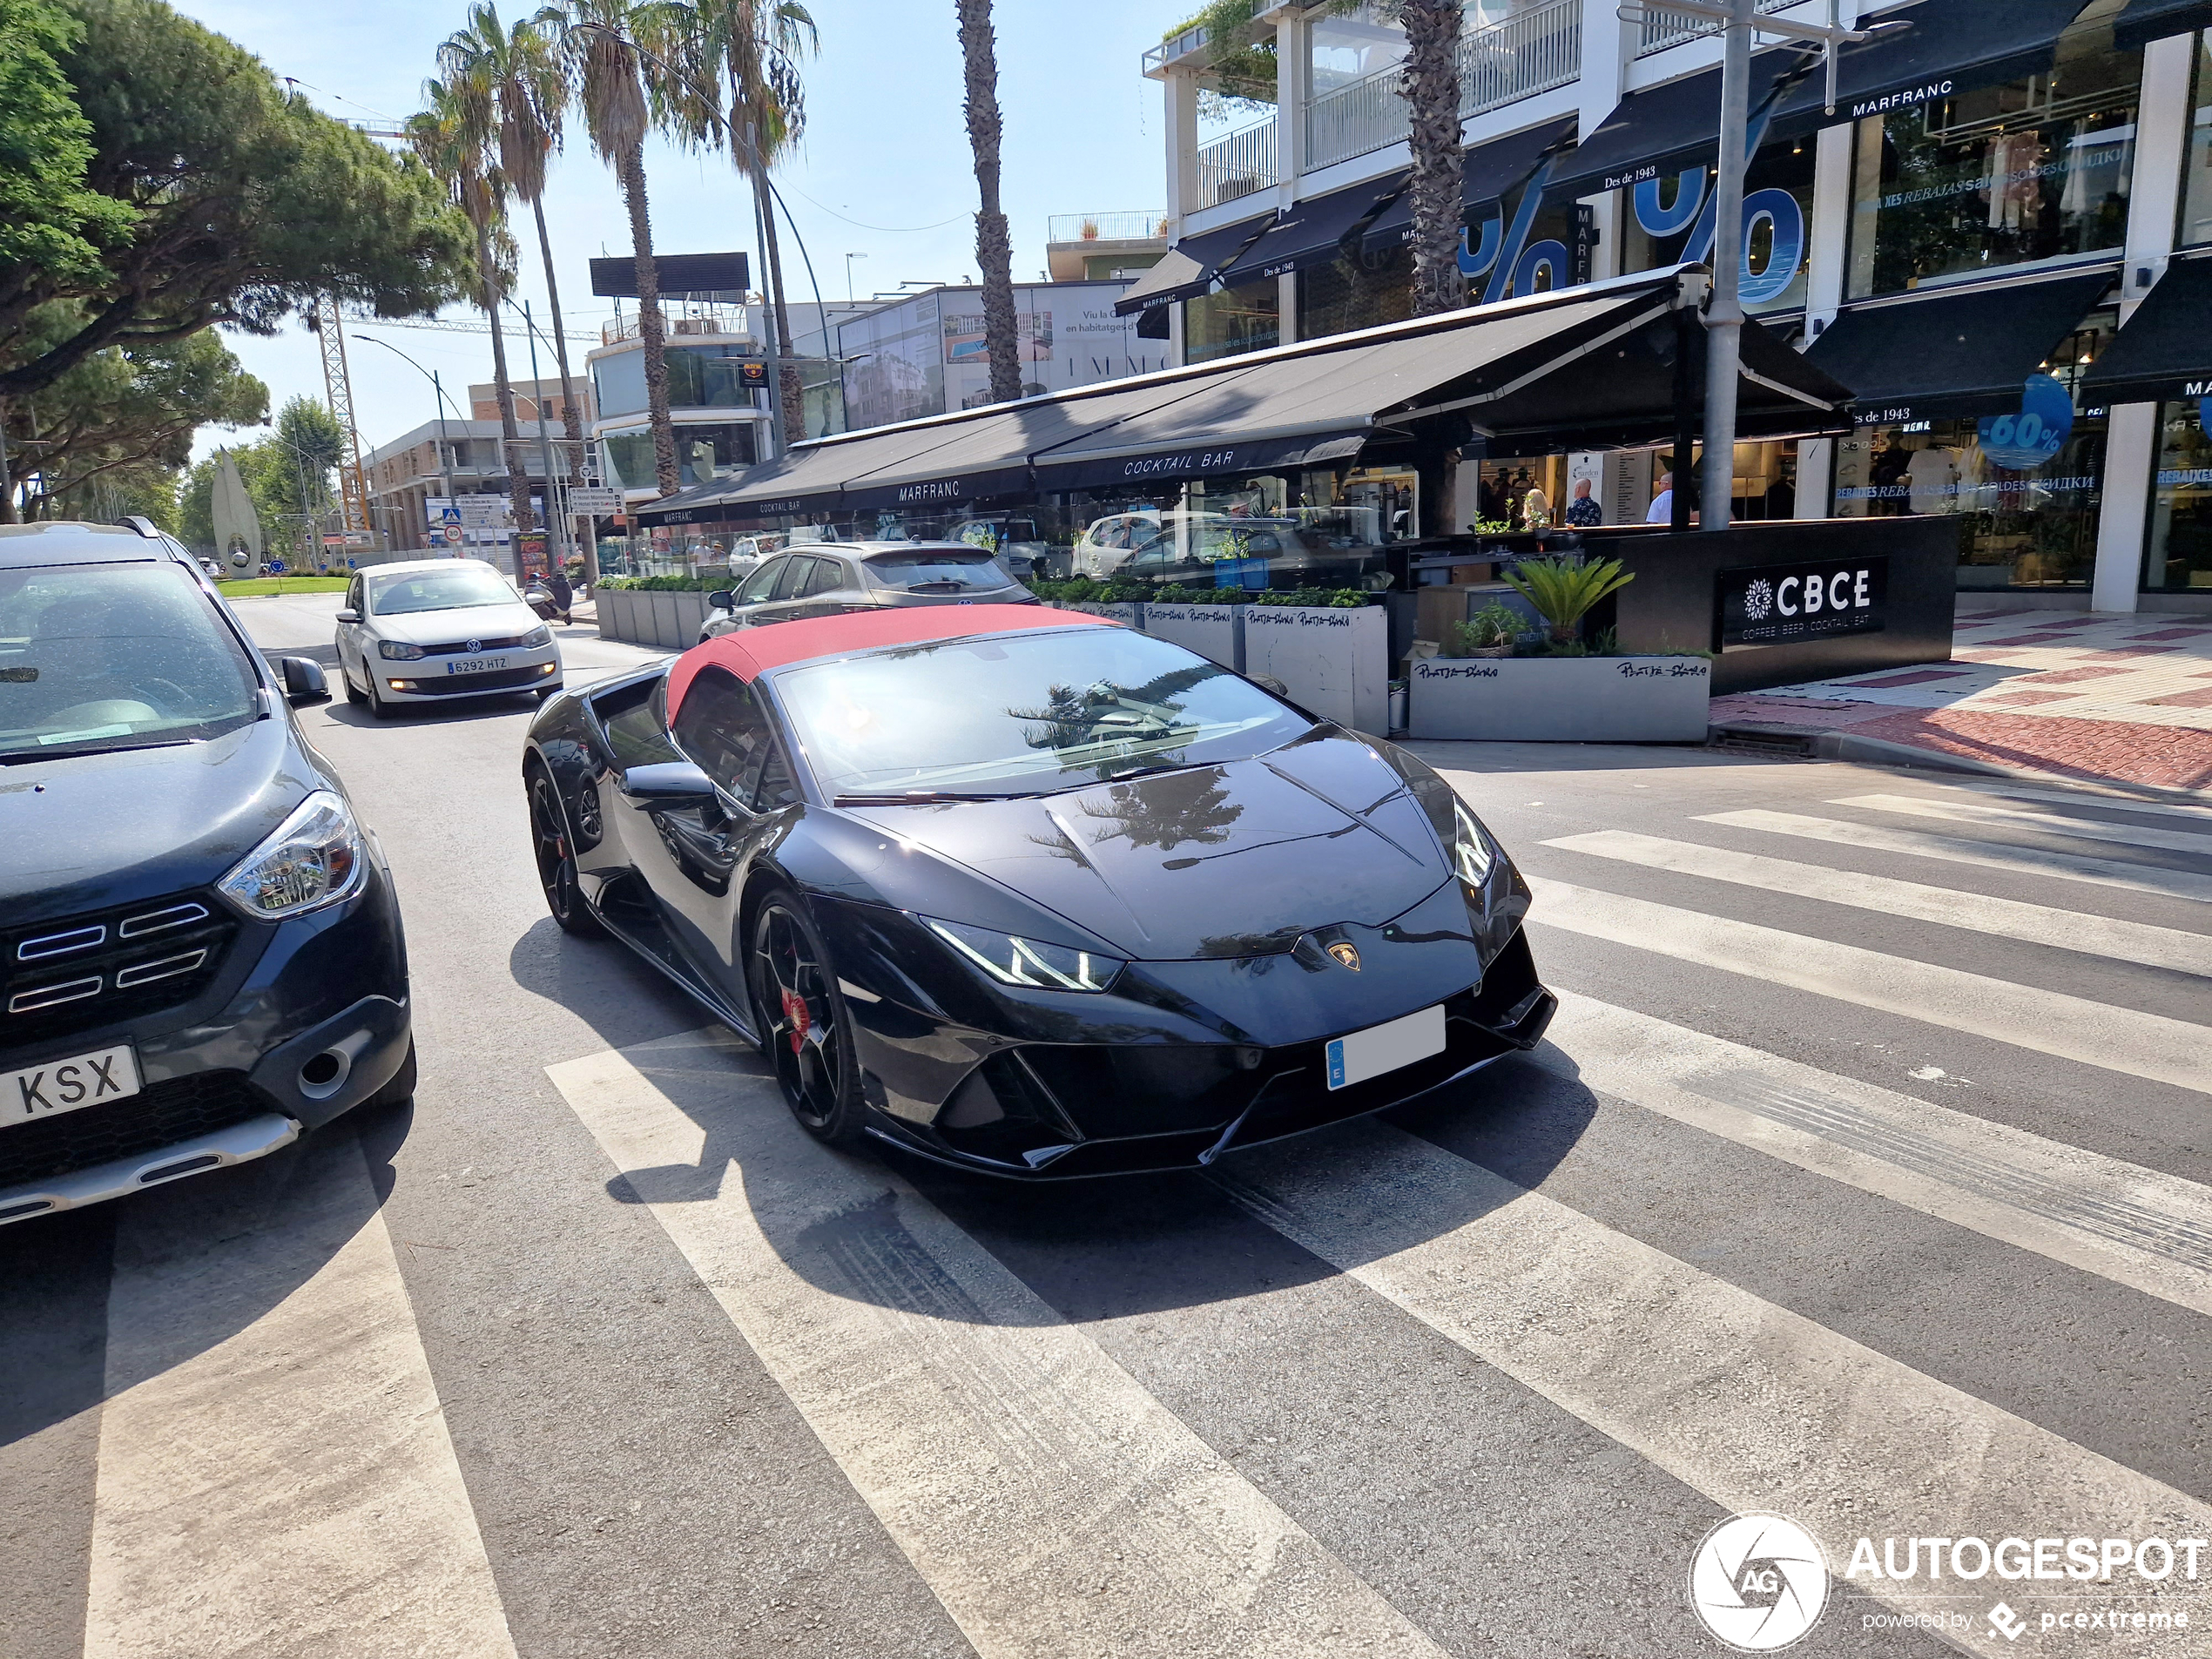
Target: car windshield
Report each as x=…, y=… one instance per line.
x=453, y=589
x=937, y=566
x=100, y=656
x=1023, y=714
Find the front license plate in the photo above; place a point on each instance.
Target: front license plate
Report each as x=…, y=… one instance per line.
x=63, y=1085
x=1368, y=1053
x=474, y=664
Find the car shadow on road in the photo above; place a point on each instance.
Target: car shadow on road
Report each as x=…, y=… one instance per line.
x=489, y=707
x=625, y=1000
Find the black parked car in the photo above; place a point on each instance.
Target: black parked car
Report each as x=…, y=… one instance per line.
x=828, y=581
x=1031, y=894
x=200, y=954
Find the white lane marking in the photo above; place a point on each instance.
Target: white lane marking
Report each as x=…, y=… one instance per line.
x=2069, y=1028
x=2127, y=942
x=1992, y=855
x=2084, y=797
x=1054, y=1506
x=1755, y=1407
x=1961, y=812
x=2134, y=1226
x=274, y=1469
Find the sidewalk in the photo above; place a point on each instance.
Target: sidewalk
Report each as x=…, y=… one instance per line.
x=2113, y=698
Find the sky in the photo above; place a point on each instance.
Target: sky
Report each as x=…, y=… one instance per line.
x=884, y=170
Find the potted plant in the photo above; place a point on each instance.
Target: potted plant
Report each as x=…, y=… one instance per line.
x=1089, y=231
x=1492, y=631
x=1563, y=590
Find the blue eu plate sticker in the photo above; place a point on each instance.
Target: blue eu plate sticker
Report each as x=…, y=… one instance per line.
x=1336, y=1064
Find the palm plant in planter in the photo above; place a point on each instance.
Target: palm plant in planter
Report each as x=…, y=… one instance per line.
x=1563, y=590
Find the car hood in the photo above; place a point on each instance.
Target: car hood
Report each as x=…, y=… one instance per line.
x=454, y=627
x=1234, y=859
x=84, y=832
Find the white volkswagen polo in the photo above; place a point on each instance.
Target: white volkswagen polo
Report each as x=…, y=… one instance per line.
x=432, y=630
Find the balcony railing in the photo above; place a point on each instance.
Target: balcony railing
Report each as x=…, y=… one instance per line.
x=1238, y=164
x=1500, y=64
x=1140, y=226
x=693, y=318
x=1662, y=29
x=1176, y=47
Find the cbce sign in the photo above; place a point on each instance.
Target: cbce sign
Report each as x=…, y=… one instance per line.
x=1781, y=605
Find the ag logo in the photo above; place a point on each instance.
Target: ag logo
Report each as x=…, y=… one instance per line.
x=1758, y=1583
x=1347, y=955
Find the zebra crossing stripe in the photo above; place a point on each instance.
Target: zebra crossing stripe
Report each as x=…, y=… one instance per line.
x=2086, y=798
x=2068, y=1028
x=2134, y=1226
x=2127, y=942
x=1958, y=811
x=1988, y=855
x=1056, y=1508
x=1755, y=1407
x=274, y=1470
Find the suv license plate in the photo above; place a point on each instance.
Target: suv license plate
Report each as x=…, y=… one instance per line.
x=64, y=1085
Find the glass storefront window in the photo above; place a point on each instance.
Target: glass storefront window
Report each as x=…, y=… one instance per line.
x=698, y=379
x=2034, y=169
x=1660, y=219
x=2178, y=558
x=2196, y=183
x=1232, y=321
x=1342, y=295
x=703, y=452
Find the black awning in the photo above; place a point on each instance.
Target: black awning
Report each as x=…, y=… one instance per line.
x=1190, y=266
x=1661, y=130
x=2164, y=350
x=1492, y=173
x=1927, y=52
x=2141, y=22
x=1313, y=232
x=1950, y=354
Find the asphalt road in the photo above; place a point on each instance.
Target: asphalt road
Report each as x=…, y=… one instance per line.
x=1865, y=1178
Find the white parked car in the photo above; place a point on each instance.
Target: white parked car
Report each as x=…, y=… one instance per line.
x=430, y=630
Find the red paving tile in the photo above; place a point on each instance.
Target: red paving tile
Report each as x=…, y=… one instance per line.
x=2125, y=653
x=2173, y=633
x=1917, y=677
x=2021, y=639
x=2181, y=700
x=2062, y=676
x=2171, y=757
x=2024, y=699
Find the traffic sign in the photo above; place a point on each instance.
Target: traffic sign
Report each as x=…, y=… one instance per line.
x=599, y=503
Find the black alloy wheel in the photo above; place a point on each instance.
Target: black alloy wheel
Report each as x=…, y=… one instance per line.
x=354, y=693
x=555, y=852
x=809, y=1035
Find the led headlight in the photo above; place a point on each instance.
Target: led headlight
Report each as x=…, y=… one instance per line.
x=1026, y=961
x=313, y=859
x=1472, y=857
x=538, y=635
x=394, y=650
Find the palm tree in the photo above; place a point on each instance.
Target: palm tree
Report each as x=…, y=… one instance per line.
x=1431, y=88
x=756, y=45
x=993, y=247
x=622, y=93
x=453, y=139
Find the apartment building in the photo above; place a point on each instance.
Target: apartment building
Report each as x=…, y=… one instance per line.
x=2000, y=237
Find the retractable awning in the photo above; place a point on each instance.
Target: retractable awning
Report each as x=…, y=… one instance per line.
x=1951, y=355
x=2141, y=22
x=2163, y=351
x=1190, y=266
x=1598, y=359
x=1661, y=130
x=1313, y=233
x=1491, y=172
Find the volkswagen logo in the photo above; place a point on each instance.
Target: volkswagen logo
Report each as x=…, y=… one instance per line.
x=476, y=644
x=1348, y=955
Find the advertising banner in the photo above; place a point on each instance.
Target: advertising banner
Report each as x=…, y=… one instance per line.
x=1783, y=604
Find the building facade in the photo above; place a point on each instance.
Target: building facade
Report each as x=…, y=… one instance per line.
x=408, y=479
x=1999, y=187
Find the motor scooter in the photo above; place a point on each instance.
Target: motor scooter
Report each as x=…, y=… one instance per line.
x=539, y=599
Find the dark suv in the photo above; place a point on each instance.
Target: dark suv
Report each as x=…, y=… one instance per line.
x=200, y=954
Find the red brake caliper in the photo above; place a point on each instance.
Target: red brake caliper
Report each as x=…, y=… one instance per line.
x=795, y=1011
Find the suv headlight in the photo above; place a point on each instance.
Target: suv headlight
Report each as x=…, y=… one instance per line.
x=394, y=650
x=1472, y=855
x=1026, y=961
x=538, y=635
x=313, y=859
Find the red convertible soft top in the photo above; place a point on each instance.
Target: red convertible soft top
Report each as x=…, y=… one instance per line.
x=749, y=652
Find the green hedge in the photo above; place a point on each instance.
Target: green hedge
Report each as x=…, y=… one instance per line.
x=1084, y=590
x=666, y=583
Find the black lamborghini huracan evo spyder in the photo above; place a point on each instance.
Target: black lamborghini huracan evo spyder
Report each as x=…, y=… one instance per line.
x=1031, y=894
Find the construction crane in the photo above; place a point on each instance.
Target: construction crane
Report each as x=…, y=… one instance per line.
x=353, y=483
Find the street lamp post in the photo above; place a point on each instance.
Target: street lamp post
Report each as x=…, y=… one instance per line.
x=849, y=258
x=438, y=394
x=553, y=513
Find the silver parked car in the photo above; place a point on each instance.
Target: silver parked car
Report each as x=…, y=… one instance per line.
x=825, y=579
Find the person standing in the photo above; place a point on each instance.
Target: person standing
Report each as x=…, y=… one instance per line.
x=1662, y=504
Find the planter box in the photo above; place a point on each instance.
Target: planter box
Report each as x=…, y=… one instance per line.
x=1211, y=630
x=1562, y=699
x=661, y=607
x=691, y=616
x=618, y=617
x=1124, y=614
x=1335, y=662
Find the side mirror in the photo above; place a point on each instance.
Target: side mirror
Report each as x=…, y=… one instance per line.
x=721, y=599
x=303, y=681
x=676, y=782
x=349, y=615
